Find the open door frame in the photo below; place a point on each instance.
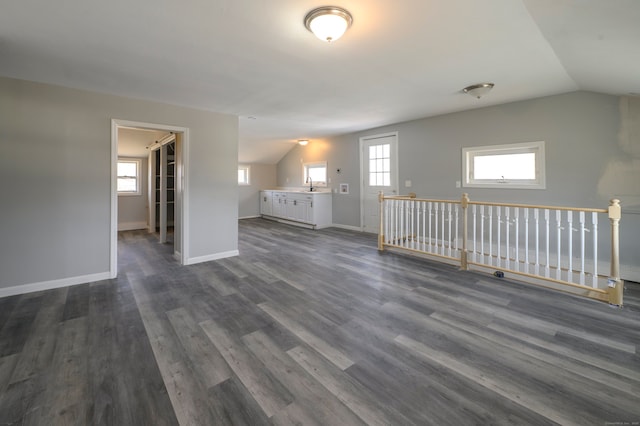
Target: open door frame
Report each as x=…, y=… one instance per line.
x=181, y=243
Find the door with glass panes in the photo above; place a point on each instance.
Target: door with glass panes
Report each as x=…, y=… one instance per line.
x=378, y=159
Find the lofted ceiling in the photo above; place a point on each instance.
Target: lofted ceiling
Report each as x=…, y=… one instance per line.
x=401, y=60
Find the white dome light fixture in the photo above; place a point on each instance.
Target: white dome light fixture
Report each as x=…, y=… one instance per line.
x=303, y=142
x=328, y=23
x=478, y=90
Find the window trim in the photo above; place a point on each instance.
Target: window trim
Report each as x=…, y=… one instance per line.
x=247, y=168
x=138, y=190
x=538, y=148
x=305, y=168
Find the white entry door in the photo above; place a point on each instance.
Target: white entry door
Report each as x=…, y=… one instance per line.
x=379, y=172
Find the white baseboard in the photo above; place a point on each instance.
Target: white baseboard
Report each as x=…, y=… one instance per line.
x=210, y=257
x=249, y=217
x=348, y=227
x=131, y=226
x=49, y=285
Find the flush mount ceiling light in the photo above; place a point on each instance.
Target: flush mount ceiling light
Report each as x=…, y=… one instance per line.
x=303, y=142
x=478, y=90
x=328, y=23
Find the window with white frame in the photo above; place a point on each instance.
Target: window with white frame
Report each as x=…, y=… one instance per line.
x=129, y=177
x=315, y=173
x=380, y=165
x=519, y=165
x=243, y=175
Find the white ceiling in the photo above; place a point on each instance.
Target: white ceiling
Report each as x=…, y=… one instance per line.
x=136, y=142
x=400, y=60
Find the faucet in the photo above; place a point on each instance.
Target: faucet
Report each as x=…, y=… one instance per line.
x=310, y=182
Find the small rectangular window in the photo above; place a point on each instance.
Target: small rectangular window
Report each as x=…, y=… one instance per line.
x=129, y=177
x=380, y=165
x=519, y=166
x=315, y=173
x=243, y=175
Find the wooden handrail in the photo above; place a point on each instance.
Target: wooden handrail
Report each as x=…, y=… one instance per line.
x=614, y=291
x=487, y=203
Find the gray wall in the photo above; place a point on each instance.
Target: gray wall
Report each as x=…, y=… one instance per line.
x=132, y=209
x=261, y=176
x=56, y=165
x=592, y=155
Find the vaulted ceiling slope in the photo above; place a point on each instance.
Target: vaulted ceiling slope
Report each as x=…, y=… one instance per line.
x=400, y=60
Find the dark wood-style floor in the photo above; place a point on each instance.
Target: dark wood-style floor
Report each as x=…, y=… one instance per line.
x=313, y=327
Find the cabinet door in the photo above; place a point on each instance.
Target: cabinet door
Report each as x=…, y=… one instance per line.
x=279, y=205
x=291, y=207
x=266, y=203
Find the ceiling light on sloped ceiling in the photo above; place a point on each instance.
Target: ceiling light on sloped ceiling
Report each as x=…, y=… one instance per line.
x=328, y=23
x=478, y=90
x=303, y=142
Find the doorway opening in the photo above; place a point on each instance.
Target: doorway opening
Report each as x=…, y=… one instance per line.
x=160, y=202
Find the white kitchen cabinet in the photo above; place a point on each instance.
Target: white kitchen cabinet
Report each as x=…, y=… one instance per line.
x=298, y=208
x=266, y=203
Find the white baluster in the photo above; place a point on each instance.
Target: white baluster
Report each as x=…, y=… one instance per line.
x=498, y=240
x=455, y=241
x=546, y=224
x=449, y=236
x=424, y=219
x=490, y=235
x=436, y=220
x=442, y=237
x=536, y=218
x=416, y=239
x=526, y=240
x=473, y=214
x=582, y=247
x=516, y=219
x=594, y=220
x=482, y=217
x=396, y=217
x=386, y=220
x=558, y=244
x=570, y=243
x=506, y=230
x=430, y=215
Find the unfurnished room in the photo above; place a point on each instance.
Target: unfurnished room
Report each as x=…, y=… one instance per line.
x=295, y=212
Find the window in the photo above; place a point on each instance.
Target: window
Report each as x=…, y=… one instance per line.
x=243, y=175
x=129, y=177
x=518, y=165
x=380, y=165
x=317, y=172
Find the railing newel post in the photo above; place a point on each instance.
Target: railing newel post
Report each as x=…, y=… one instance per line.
x=615, y=285
x=465, y=227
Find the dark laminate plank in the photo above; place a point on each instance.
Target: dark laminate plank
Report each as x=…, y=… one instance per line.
x=205, y=359
x=233, y=404
x=16, y=328
x=308, y=393
x=38, y=349
x=77, y=303
x=66, y=386
x=336, y=357
x=357, y=398
x=268, y=392
x=7, y=365
x=7, y=305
